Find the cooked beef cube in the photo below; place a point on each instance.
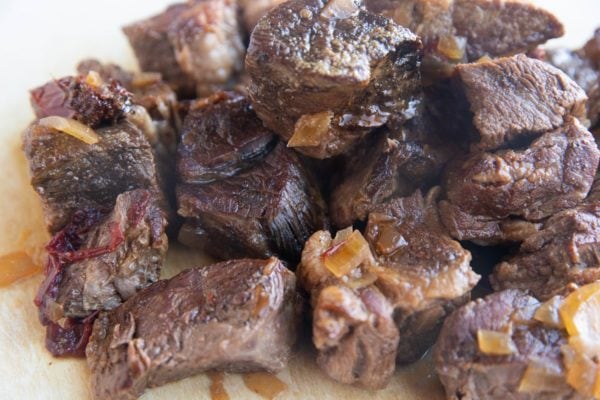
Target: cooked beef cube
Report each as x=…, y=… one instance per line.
x=517, y=98
x=236, y=316
x=153, y=49
x=253, y=10
x=82, y=99
x=207, y=41
x=325, y=74
x=469, y=373
x=466, y=30
x=271, y=208
x=563, y=252
x=353, y=327
x=592, y=49
x=487, y=191
x=386, y=166
x=425, y=274
x=107, y=71
x=221, y=136
x=70, y=175
x=575, y=65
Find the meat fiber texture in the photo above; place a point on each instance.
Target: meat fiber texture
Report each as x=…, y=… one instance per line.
x=236, y=316
x=325, y=74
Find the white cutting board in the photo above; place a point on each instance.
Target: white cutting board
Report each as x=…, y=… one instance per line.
x=41, y=40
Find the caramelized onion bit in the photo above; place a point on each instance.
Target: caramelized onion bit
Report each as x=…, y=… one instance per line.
x=94, y=79
x=15, y=266
x=542, y=377
x=495, y=343
x=346, y=255
x=452, y=47
x=311, y=129
x=581, y=371
x=580, y=312
x=143, y=79
x=71, y=127
x=548, y=313
x=266, y=385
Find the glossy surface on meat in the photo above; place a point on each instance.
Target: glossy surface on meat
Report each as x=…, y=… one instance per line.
x=236, y=316
x=469, y=374
x=221, y=137
x=325, y=74
x=486, y=190
x=271, y=208
x=70, y=175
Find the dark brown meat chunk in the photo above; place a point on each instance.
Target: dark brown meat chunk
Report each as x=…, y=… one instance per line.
x=469, y=374
x=70, y=175
x=236, y=316
x=517, y=98
x=466, y=30
x=271, y=208
x=485, y=191
x=592, y=49
x=221, y=136
x=253, y=10
x=424, y=274
x=78, y=98
x=325, y=74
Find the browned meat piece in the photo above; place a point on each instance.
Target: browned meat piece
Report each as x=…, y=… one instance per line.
x=468, y=373
x=70, y=175
x=83, y=99
x=221, y=136
x=325, y=74
x=353, y=326
x=466, y=30
x=253, y=10
x=207, y=41
x=592, y=49
x=271, y=208
x=517, y=98
x=107, y=71
x=97, y=262
x=575, y=64
x=236, y=316
x=424, y=274
x=486, y=191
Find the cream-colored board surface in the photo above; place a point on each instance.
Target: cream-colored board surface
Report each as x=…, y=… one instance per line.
x=45, y=39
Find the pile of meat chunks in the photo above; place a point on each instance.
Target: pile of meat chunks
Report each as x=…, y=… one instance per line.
x=360, y=144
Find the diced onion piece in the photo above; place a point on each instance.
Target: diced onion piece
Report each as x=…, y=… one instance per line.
x=144, y=79
x=483, y=59
x=548, y=314
x=541, y=377
x=495, y=343
x=311, y=129
x=340, y=9
x=452, y=47
x=581, y=371
x=580, y=311
x=71, y=127
x=15, y=266
x=342, y=258
x=94, y=79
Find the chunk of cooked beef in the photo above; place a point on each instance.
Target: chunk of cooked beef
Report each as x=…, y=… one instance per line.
x=253, y=10
x=466, y=30
x=592, y=49
x=517, y=98
x=563, y=252
x=490, y=194
x=423, y=272
x=207, y=42
x=270, y=208
x=221, y=136
x=83, y=99
x=575, y=64
x=468, y=373
x=70, y=175
x=96, y=262
x=353, y=327
x=325, y=74
x=236, y=316
x=107, y=71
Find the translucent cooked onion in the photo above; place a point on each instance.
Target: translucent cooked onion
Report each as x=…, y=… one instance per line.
x=71, y=127
x=94, y=79
x=495, y=343
x=452, y=47
x=311, y=130
x=15, y=266
x=340, y=9
x=582, y=371
x=542, y=377
x=580, y=312
x=345, y=256
x=548, y=313
x=144, y=79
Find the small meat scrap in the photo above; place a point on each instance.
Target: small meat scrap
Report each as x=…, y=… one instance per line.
x=95, y=263
x=497, y=197
x=465, y=30
x=196, y=46
x=236, y=316
x=325, y=74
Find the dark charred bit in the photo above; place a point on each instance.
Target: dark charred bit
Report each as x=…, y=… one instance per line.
x=325, y=74
x=467, y=372
x=96, y=262
x=236, y=316
x=499, y=197
x=83, y=99
x=463, y=31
